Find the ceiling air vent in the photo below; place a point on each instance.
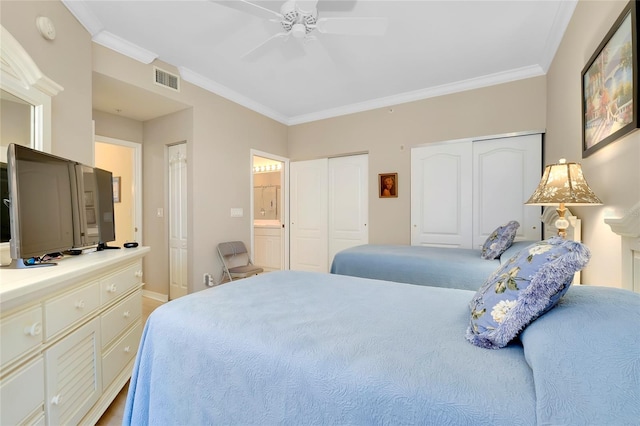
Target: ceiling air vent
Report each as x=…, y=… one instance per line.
x=166, y=79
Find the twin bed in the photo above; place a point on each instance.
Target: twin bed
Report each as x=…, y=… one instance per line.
x=307, y=348
x=433, y=266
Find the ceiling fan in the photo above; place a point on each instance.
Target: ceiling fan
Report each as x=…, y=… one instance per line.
x=299, y=19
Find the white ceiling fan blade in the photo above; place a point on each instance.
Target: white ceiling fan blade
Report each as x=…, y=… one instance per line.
x=250, y=8
x=353, y=26
x=265, y=46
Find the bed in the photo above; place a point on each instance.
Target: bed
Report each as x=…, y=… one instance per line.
x=308, y=348
x=433, y=266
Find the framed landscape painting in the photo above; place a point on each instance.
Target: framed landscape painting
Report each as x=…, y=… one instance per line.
x=610, y=85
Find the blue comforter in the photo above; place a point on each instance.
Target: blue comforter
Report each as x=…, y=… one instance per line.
x=432, y=266
x=306, y=348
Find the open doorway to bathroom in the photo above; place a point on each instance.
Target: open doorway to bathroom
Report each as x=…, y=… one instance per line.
x=269, y=206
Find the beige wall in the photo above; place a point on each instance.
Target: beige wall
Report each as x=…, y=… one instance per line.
x=117, y=127
x=613, y=172
x=219, y=136
x=388, y=134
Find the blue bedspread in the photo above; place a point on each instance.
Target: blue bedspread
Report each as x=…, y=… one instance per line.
x=304, y=348
x=432, y=266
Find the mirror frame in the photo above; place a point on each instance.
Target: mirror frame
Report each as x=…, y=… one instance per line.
x=20, y=76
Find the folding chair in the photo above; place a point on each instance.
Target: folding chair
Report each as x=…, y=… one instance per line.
x=236, y=262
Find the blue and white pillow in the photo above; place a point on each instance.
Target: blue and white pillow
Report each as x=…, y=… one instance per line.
x=522, y=289
x=499, y=240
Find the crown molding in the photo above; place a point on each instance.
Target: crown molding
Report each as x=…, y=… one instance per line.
x=83, y=14
x=125, y=47
x=432, y=92
x=227, y=93
x=628, y=225
x=556, y=33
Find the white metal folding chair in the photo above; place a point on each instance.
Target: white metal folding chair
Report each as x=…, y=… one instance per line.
x=236, y=262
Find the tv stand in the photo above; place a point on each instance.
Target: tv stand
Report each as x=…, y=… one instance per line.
x=104, y=246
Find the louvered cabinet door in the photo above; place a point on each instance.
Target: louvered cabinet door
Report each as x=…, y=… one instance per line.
x=73, y=375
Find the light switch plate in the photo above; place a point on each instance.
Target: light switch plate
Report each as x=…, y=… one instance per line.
x=237, y=212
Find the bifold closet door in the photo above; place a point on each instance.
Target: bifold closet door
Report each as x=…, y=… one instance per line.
x=462, y=190
x=309, y=215
x=441, y=195
x=348, y=203
x=329, y=209
x=506, y=171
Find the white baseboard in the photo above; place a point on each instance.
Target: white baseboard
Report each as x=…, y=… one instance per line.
x=155, y=296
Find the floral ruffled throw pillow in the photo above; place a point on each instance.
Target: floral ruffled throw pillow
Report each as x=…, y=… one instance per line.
x=522, y=289
x=499, y=240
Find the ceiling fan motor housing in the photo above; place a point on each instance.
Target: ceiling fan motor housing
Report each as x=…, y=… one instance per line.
x=299, y=22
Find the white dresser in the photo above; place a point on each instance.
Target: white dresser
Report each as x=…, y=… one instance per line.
x=69, y=335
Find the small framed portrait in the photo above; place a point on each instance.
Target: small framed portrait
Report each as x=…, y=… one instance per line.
x=388, y=185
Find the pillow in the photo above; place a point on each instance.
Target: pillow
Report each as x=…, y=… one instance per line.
x=522, y=289
x=499, y=240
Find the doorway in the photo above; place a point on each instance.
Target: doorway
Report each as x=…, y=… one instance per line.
x=270, y=208
x=124, y=160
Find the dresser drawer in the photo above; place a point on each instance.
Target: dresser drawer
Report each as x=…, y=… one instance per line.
x=120, y=317
x=25, y=390
x=120, y=354
x=63, y=311
x=115, y=285
x=20, y=333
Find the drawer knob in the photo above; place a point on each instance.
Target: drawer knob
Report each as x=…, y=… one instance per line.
x=138, y=274
x=112, y=288
x=55, y=400
x=126, y=314
x=80, y=304
x=127, y=349
x=33, y=329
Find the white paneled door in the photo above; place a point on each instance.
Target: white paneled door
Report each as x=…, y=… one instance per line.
x=506, y=172
x=348, y=203
x=177, y=156
x=308, y=217
x=441, y=195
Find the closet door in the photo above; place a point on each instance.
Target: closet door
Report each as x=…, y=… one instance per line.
x=441, y=194
x=348, y=203
x=308, y=215
x=506, y=171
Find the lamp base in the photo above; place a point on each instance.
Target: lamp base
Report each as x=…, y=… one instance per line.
x=562, y=223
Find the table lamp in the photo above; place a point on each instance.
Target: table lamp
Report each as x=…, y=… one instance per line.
x=563, y=184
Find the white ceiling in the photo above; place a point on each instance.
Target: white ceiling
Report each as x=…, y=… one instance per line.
x=430, y=48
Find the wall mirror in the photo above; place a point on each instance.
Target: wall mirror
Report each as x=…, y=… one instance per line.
x=26, y=98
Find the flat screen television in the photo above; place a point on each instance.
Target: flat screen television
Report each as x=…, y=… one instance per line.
x=40, y=203
x=5, y=232
x=105, y=213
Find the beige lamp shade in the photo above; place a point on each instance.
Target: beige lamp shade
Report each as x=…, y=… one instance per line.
x=563, y=183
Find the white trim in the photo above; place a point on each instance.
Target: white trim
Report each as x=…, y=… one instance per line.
x=155, y=296
x=431, y=92
x=628, y=227
x=125, y=47
x=556, y=33
x=137, y=196
x=221, y=90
